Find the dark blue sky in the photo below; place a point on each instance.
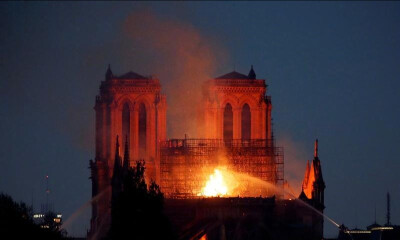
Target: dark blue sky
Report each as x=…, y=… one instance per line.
x=333, y=70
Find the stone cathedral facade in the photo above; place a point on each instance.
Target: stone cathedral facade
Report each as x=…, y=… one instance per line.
x=236, y=117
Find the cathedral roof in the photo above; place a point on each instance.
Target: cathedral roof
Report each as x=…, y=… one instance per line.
x=237, y=75
x=233, y=75
x=131, y=75
x=109, y=73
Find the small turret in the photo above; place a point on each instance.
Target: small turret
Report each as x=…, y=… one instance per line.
x=116, y=180
x=117, y=162
x=117, y=165
x=109, y=74
x=252, y=74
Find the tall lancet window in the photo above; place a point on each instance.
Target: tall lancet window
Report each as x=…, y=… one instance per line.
x=228, y=122
x=246, y=122
x=126, y=121
x=142, y=131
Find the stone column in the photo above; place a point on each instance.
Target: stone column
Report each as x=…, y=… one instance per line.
x=214, y=123
x=109, y=131
x=150, y=132
x=254, y=123
x=220, y=121
x=118, y=127
x=269, y=127
x=103, y=130
x=263, y=121
x=99, y=128
x=131, y=134
x=237, y=123
x=135, y=134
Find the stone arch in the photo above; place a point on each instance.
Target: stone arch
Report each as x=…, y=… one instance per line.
x=231, y=100
x=121, y=101
x=123, y=108
x=142, y=108
x=142, y=99
x=250, y=100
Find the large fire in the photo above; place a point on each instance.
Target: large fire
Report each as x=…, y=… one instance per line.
x=223, y=182
x=215, y=186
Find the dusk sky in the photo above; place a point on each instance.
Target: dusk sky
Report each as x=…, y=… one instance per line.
x=332, y=69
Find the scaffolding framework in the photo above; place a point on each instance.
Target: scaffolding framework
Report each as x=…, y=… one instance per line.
x=186, y=163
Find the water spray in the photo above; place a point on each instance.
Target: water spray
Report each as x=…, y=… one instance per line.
x=83, y=207
x=283, y=191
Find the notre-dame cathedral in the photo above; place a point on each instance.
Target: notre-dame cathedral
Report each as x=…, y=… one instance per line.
x=236, y=118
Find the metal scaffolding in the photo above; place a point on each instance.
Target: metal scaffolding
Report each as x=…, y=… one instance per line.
x=185, y=164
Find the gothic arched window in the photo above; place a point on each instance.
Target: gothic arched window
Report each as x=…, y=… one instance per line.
x=246, y=122
x=228, y=122
x=142, y=131
x=126, y=121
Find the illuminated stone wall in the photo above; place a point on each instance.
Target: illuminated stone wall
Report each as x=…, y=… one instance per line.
x=132, y=107
x=237, y=91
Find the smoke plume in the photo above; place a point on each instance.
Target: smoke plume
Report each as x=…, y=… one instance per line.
x=296, y=156
x=182, y=59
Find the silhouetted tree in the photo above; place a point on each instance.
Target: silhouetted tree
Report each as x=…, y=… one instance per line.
x=137, y=210
x=16, y=222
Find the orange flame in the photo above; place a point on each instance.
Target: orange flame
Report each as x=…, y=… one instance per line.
x=215, y=186
x=223, y=182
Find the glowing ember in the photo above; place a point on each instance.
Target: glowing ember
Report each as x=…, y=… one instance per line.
x=215, y=186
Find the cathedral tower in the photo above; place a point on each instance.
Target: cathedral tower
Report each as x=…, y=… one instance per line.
x=131, y=106
x=236, y=107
